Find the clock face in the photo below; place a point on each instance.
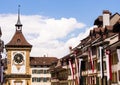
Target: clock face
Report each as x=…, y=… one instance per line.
x=18, y=58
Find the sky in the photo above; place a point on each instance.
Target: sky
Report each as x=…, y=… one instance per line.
x=51, y=26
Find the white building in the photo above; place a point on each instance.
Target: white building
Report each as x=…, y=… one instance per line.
x=39, y=68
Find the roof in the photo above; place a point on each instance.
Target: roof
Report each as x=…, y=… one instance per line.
x=99, y=21
x=114, y=15
x=113, y=18
x=18, y=40
x=42, y=61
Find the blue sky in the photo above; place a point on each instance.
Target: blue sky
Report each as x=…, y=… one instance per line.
x=51, y=26
x=83, y=10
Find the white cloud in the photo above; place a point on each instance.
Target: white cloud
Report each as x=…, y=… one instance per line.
x=43, y=33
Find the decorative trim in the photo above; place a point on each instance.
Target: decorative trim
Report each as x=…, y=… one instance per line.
x=18, y=76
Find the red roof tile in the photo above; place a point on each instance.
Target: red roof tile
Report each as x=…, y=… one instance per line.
x=18, y=40
x=42, y=61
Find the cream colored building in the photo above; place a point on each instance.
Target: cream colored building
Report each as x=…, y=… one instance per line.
x=21, y=68
x=18, y=56
x=40, y=74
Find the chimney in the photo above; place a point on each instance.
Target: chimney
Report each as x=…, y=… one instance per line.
x=106, y=18
x=70, y=49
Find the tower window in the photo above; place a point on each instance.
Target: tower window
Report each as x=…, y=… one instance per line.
x=18, y=40
x=18, y=28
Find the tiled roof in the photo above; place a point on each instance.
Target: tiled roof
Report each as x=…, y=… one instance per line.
x=42, y=61
x=18, y=40
x=110, y=28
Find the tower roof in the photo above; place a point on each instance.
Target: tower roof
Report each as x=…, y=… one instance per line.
x=18, y=21
x=18, y=39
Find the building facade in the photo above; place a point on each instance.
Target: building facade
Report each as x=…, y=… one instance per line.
x=39, y=69
x=95, y=61
x=18, y=56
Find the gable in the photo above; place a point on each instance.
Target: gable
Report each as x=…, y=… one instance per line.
x=114, y=19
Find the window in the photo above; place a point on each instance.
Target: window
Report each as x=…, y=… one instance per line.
x=102, y=53
x=114, y=58
x=45, y=71
x=89, y=66
x=39, y=79
x=104, y=65
x=44, y=79
x=95, y=64
x=83, y=65
x=114, y=77
x=48, y=71
x=37, y=71
x=18, y=40
x=84, y=80
x=53, y=75
x=36, y=79
x=93, y=50
x=18, y=82
x=48, y=79
x=69, y=71
x=105, y=80
x=34, y=71
x=98, y=66
x=119, y=74
x=98, y=80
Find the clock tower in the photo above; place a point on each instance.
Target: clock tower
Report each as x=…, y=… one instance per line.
x=18, y=58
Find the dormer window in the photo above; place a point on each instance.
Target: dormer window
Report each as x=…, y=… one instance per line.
x=18, y=40
x=93, y=48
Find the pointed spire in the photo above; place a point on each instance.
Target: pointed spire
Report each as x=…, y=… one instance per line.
x=18, y=24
